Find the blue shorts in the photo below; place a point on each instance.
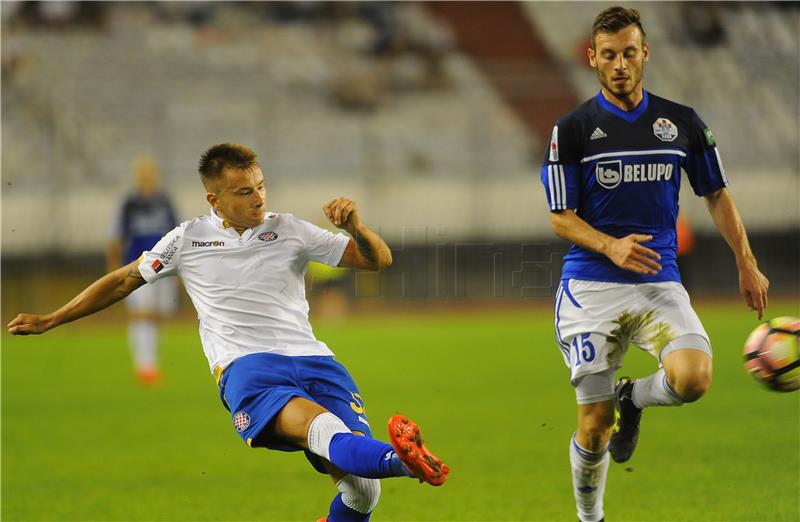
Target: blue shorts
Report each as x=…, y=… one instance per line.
x=254, y=388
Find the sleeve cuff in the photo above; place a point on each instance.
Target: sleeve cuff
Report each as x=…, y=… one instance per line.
x=338, y=250
x=147, y=270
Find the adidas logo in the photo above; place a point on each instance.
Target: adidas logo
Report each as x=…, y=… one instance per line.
x=597, y=134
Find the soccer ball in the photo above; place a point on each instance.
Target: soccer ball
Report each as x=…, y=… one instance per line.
x=771, y=354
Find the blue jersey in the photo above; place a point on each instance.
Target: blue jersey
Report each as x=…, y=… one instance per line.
x=142, y=221
x=621, y=173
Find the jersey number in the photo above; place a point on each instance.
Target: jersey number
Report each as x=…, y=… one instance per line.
x=584, y=349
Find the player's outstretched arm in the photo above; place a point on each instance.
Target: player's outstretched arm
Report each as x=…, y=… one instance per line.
x=101, y=294
x=753, y=285
x=367, y=249
x=625, y=252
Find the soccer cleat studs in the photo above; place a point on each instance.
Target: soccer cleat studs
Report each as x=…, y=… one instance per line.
x=410, y=448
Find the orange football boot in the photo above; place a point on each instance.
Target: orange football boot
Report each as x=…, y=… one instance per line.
x=148, y=376
x=408, y=444
x=323, y=519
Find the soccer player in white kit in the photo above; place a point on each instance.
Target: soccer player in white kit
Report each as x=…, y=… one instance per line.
x=612, y=176
x=243, y=268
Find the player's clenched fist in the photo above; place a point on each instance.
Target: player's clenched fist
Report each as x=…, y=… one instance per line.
x=343, y=213
x=26, y=324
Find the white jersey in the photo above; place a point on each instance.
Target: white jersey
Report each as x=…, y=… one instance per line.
x=248, y=290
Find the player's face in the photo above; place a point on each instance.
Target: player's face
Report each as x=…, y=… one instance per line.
x=146, y=178
x=619, y=61
x=240, y=197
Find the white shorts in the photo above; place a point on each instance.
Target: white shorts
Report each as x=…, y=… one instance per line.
x=596, y=321
x=160, y=296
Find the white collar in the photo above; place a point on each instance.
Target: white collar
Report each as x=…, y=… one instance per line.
x=216, y=219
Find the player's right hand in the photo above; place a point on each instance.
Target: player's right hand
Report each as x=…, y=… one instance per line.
x=628, y=253
x=28, y=324
x=343, y=213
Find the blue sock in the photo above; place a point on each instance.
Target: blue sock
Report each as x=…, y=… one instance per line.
x=339, y=512
x=365, y=457
x=398, y=468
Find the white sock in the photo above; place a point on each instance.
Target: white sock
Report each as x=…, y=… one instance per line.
x=654, y=390
x=321, y=431
x=143, y=337
x=589, y=472
x=360, y=494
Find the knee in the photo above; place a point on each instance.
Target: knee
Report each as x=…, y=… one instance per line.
x=360, y=494
x=688, y=373
x=691, y=386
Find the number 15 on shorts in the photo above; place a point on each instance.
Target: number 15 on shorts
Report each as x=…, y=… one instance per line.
x=582, y=350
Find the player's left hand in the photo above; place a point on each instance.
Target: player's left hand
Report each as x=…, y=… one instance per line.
x=753, y=286
x=343, y=213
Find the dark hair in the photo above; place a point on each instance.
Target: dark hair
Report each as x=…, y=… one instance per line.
x=222, y=156
x=615, y=19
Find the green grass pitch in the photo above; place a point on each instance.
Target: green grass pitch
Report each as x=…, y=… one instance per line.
x=81, y=441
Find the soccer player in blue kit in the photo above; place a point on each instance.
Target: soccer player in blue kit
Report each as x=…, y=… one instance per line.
x=612, y=175
x=243, y=268
x=145, y=215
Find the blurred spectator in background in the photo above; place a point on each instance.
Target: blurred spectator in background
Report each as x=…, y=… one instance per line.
x=703, y=24
x=282, y=12
x=200, y=16
x=143, y=218
x=11, y=49
x=59, y=14
x=384, y=48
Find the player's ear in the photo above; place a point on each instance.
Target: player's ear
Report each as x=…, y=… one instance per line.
x=592, y=57
x=212, y=199
x=645, y=51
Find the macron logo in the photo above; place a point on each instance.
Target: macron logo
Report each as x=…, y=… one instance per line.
x=597, y=134
x=208, y=243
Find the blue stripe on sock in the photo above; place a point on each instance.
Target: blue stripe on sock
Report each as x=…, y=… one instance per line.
x=588, y=455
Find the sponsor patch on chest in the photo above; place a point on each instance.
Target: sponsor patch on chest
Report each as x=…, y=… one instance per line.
x=611, y=173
